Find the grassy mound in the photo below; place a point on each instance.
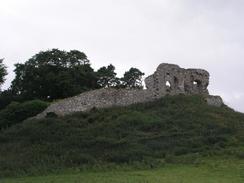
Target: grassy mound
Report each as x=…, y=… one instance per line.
x=151, y=132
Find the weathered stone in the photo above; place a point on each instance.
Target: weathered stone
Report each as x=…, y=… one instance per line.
x=168, y=79
x=101, y=98
x=172, y=80
x=214, y=101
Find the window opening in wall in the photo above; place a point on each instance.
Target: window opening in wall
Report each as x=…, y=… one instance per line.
x=197, y=83
x=168, y=84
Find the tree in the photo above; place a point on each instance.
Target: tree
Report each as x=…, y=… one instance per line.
x=54, y=74
x=133, y=78
x=107, y=77
x=3, y=72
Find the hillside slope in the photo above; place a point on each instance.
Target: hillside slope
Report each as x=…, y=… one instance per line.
x=171, y=126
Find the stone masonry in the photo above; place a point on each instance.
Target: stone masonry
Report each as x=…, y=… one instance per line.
x=172, y=80
x=168, y=79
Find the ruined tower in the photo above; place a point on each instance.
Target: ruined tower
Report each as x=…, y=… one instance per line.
x=170, y=79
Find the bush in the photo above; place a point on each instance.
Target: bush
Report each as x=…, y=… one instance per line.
x=17, y=112
x=7, y=96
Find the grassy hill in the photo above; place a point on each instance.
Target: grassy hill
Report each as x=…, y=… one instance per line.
x=174, y=129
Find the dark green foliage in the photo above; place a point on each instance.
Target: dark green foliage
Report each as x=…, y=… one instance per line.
x=51, y=115
x=54, y=74
x=107, y=77
x=170, y=127
x=3, y=72
x=57, y=74
x=7, y=96
x=17, y=112
x=132, y=78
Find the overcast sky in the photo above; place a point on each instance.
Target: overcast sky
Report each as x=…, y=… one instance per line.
x=206, y=34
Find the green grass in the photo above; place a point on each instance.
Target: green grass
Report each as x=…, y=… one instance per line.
x=212, y=171
x=175, y=129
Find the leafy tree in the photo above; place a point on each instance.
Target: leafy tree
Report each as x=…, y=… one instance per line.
x=107, y=76
x=7, y=96
x=132, y=78
x=3, y=72
x=54, y=74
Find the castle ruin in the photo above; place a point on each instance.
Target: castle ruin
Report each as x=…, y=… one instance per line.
x=168, y=79
x=172, y=80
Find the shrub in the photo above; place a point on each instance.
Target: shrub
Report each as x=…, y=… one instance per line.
x=7, y=96
x=17, y=112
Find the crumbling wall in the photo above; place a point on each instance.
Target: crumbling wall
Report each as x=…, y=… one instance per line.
x=101, y=98
x=196, y=81
x=168, y=79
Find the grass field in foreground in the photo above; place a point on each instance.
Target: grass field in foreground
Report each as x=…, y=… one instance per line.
x=217, y=171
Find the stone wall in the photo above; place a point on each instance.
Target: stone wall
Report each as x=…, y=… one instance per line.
x=168, y=79
x=101, y=98
x=172, y=80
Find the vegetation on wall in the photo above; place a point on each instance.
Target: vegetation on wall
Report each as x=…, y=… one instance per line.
x=107, y=77
x=132, y=78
